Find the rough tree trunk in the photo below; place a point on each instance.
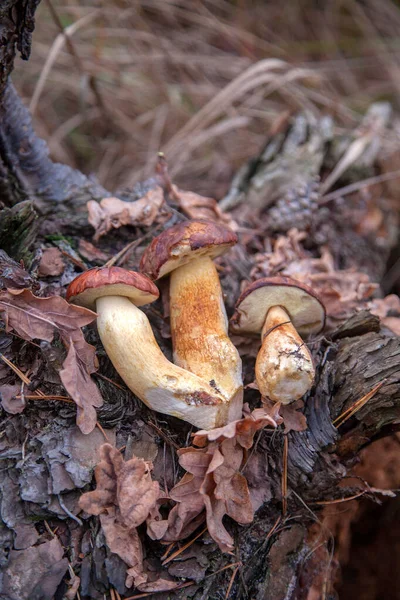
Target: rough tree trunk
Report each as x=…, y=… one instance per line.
x=46, y=460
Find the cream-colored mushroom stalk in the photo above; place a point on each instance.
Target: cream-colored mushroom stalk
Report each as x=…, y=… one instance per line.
x=281, y=308
x=129, y=341
x=199, y=325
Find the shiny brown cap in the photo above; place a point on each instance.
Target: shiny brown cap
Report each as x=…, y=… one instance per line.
x=184, y=242
x=111, y=281
x=302, y=304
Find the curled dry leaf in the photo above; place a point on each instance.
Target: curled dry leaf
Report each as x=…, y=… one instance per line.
x=213, y=480
x=341, y=291
x=192, y=204
x=40, y=318
x=293, y=418
x=124, y=497
x=112, y=213
x=201, y=207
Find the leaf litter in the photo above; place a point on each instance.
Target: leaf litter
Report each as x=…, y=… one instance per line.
x=224, y=475
x=32, y=318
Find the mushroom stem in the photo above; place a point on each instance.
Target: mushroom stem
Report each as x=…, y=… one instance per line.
x=199, y=328
x=129, y=341
x=284, y=365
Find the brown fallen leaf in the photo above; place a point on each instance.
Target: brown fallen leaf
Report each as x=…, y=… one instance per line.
x=40, y=318
x=91, y=253
x=75, y=377
x=124, y=497
x=112, y=213
x=192, y=204
x=201, y=207
x=213, y=480
x=51, y=263
x=293, y=418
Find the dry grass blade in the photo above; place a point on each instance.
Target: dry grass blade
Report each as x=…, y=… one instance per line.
x=232, y=579
x=103, y=432
x=358, y=185
x=184, y=547
x=16, y=370
x=340, y=500
x=356, y=406
x=57, y=46
x=147, y=594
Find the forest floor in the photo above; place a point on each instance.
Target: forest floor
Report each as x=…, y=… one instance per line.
x=213, y=84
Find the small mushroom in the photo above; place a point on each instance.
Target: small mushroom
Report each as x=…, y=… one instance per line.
x=281, y=309
x=129, y=341
x=199, y=325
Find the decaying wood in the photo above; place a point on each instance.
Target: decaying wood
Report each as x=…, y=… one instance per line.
x=47, y=460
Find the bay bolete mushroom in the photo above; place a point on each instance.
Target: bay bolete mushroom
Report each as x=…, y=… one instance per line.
x=199, y=325
x=129, y=341
x=281, y=309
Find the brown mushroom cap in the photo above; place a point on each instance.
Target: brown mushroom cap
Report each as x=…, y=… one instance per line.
x=184, y=242
x=113, y=281
x=305, y=309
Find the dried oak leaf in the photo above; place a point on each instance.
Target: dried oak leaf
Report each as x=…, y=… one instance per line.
x=40, y=318
x=293, y=418
x=213, y=480
x=243, y=430
x=124, y=497
x=201, y=207
x=112, y=213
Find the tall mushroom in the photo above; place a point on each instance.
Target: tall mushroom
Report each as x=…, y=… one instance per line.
x=199, y=325
x=129, y=341
x=280, y=309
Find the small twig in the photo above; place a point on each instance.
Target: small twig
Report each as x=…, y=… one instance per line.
x=354, y=187
x=340, y=500
x=163, y=435
x=121, y=387
x=49, y=529
x=103, y=432
x=184, y=547
x=20, y=374
x=356, y=406
x=147, y=594
x=168, y=550
x=131, y=246
x=68, y=512
x=232, y=579
x=74, y=260
x=49, y=398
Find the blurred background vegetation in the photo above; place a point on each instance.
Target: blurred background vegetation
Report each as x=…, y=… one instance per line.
x=203, y=80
